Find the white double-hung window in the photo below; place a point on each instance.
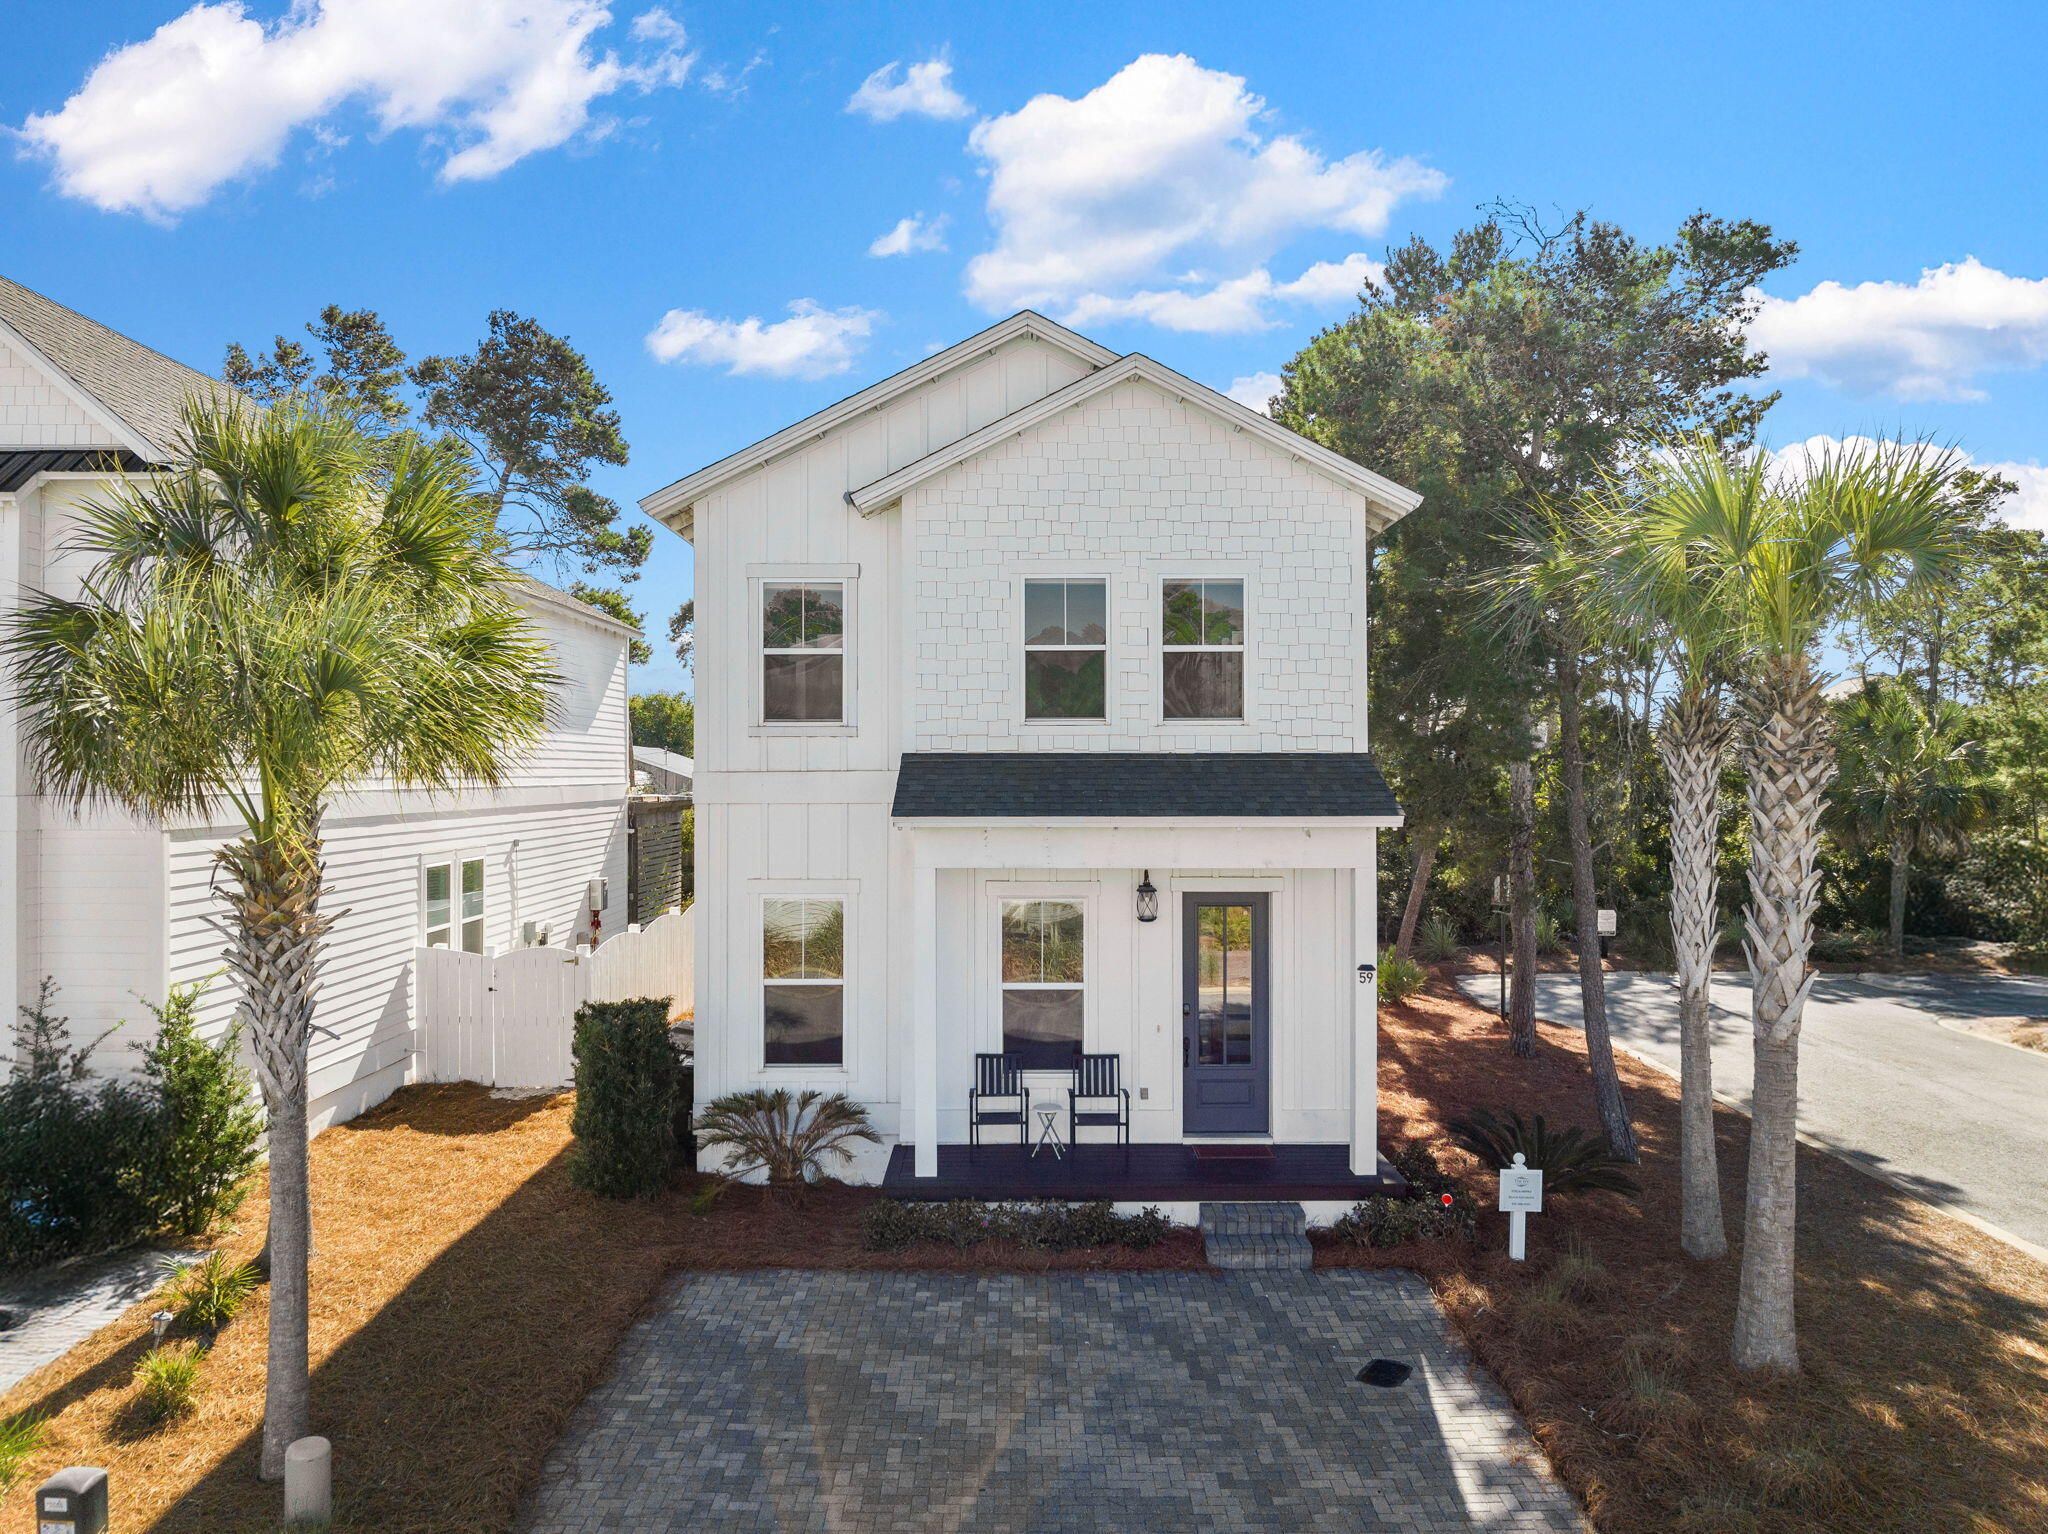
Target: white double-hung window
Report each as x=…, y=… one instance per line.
x=1066, y=649
x=803, y=982
x=1201, y=663
x=452, y=904
x=803, y=652
x=1044, y=982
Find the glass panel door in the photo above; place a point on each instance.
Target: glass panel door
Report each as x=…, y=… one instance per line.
x=1223, y=1011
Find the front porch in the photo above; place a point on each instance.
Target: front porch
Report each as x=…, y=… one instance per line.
x=1137, y=1174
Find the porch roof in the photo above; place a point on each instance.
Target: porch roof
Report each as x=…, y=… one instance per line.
x=1141, y=785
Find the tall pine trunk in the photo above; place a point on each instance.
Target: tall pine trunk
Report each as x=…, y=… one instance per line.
x=1608, y=1099
x=1902, y=872
x=275, y=933
x=1522, y=908
x=1790, y=765
x=1693, y=743
x=1426, y=839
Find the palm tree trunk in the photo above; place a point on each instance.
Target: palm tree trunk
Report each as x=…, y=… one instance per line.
x=1902, y=861
x=1426, y=839
x=1522, y=908
x=1607, y=1094
x=1790, y=764
x=1693, y=743
x=275, y=939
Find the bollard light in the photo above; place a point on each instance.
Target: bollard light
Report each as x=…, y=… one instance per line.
x=73, y=1501
x=309, y=1481
x=160, y=1325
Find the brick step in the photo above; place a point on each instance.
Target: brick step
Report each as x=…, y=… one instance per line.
x=1265, y=1234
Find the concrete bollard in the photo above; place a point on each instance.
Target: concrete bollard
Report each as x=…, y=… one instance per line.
x=309, y=1481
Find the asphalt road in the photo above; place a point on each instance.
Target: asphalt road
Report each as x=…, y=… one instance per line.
x=1960, y=1120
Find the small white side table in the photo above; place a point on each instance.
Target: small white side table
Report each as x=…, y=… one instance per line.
x=1048, y=1115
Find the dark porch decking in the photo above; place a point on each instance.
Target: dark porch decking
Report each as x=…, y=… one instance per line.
x=1139, y=1173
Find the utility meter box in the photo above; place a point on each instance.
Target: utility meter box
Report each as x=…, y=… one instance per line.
x=72, y=1501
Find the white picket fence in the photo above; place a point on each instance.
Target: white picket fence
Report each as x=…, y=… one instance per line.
x=505, y=1019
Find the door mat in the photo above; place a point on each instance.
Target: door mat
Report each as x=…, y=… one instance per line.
x=1233, y=1153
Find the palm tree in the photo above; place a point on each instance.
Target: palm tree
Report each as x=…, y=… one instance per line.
x=1910, y=781
x=1544, y=600
x=1660, y=592
x=290, y=607
x=1863, y=525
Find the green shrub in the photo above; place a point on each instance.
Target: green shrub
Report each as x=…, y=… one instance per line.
x=889, y=1225
x=1400, y=978
x=1846, y=947
x=686, y=1116
x=1549, y=933
x=628, y=1082
x=20, y=1436
x=1436, y=1207
x=212, y=1124
x=167, y=1381
x=74, y=1152
x=1571, y=1159
x=788, y=1135
x=207, y=1294
x=1438, y=939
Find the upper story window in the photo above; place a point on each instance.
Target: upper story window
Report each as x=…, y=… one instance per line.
x=1066, y=639
x=1202, y=643
x=803, y=652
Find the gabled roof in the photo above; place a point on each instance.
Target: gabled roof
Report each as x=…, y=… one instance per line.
x=670, y=502
x=1389, y=501
x=138, y=393
x=1142, y=785
x=668, y=761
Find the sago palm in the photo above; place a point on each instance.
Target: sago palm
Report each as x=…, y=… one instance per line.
x=786, y=1134
x=289, y=609
x=1861, y=526
x=1663, y=592
x=1910, y=781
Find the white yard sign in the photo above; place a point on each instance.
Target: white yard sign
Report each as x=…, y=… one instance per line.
x=1521, y=1195
x=1605, y=922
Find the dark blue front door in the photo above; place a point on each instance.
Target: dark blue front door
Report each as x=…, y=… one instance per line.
x=1224, y=1056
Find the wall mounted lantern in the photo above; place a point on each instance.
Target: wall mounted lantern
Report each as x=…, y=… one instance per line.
x=1148, y=899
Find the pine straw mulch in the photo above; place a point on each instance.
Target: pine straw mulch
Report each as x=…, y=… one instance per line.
x=465, y=1298
x=1923, y=1405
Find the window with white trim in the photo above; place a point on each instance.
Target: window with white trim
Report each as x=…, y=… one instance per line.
x=1201, y=669
x=453, y=904
x=803, y=652
x=1066, y=649
x=803, y=982
x=1044, y=982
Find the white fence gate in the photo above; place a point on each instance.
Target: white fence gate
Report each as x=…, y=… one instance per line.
x=506, y=1019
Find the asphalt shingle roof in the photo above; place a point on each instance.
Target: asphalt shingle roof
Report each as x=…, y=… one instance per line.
x=1139, y=784
x=144, y=388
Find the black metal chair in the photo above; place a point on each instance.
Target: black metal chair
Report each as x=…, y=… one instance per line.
x=995, y=1076
x=1097, y=1080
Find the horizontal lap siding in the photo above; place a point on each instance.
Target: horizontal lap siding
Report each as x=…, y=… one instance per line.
x=374, y=878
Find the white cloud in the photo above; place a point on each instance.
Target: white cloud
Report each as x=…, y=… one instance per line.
x=926, y=90
x=1255, y=391
x=214, y=94
x=1236, y=304
x=2026, y=507
x=814, y=342
x=1157, y=196
x=912, y=234
x=1924, y=340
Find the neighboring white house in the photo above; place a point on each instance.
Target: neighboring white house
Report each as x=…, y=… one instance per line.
x=985, y=650
x=663, y=772
x=116, y=910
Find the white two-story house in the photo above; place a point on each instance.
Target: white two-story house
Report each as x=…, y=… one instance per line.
x=1032, y=743
x=116, y=909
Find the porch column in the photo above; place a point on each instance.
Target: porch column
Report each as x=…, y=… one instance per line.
x=924, y=1018
x=1365, y=1015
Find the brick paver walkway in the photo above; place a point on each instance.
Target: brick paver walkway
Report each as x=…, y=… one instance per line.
x=866, y=1403
x=46, y=1318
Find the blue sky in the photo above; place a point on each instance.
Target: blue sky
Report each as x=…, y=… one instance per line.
x=1186, y=180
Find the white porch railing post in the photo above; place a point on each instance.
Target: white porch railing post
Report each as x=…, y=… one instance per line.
x=924, y=1019
x=1365, y=1014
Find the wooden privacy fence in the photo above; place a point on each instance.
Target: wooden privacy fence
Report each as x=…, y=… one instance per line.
x=505, y=1019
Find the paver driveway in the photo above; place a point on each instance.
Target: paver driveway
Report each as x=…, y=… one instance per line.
x=1184, y=1402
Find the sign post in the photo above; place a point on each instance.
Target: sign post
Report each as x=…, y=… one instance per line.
x=1521, y=1195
